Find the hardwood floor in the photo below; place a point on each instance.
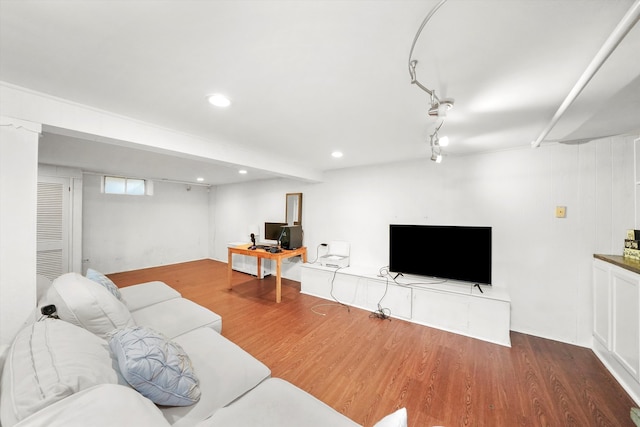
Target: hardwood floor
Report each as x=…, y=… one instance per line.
x=366, y=367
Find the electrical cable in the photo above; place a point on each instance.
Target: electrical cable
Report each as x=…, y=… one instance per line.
x=384, y=272
x=333, y=278
x=383, y=313
x=317, y=253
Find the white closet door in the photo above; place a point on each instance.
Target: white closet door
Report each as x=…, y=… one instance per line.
x=53, y=231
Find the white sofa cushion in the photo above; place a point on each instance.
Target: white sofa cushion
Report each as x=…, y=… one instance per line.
x=85, y=303
x=103, y=280
x=277, y=403
x=48, y=361
x=145, y=294
x=105, y=405
x=395, y=419
x=162, y=317
x=158, y=368
x=226, y=372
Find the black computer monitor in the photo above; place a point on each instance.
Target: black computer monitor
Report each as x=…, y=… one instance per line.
x=273, y=230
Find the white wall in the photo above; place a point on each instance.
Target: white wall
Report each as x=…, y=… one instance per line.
x=543, y=261
x=123, y=233
x=18, y=203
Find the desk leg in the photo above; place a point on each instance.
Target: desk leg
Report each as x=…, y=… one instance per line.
x=304, y=256
x=259, y=262
x=278, y=280
x=229, y=269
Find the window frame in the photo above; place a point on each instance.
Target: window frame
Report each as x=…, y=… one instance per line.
x=128, y=185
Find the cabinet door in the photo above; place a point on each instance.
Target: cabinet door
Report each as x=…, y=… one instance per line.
x=601, y=303
x=53, y=227
x=626, y=320
x=316, y=282
x=441, y=310
x=490, y=320
x=393, y=298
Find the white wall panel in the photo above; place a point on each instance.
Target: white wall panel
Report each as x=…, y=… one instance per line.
x=544, y=262
x=122, y=232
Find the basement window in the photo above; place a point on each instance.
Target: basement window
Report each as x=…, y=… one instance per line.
x=120, y=185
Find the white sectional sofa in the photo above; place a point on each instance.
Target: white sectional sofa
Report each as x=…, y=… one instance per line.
x=78, y=370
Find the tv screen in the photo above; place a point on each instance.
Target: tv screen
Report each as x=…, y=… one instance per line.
x=272, y=230
x=447, y=252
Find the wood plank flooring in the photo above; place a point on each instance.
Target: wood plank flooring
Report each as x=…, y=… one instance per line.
x=366, y=367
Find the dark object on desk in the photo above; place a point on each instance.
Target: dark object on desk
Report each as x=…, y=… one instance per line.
x=253, y=242
x=291, y=237
x=274, y=250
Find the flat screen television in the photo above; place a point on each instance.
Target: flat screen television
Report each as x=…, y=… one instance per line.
x=272, y=230
x=447, y=252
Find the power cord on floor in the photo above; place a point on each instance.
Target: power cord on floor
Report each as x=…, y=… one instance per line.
x=381, y=313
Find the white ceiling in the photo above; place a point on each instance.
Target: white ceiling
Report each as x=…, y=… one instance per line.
x=309, y=77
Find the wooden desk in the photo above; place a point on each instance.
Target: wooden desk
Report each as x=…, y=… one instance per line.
x=261, y=253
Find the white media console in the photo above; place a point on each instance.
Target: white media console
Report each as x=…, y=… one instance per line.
x=451, y=306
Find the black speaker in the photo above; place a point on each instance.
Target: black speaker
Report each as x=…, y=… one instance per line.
x=291, y=237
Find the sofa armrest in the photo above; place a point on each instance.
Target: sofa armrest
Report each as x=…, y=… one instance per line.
x=104, y=405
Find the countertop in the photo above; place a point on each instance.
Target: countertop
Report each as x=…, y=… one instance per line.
x=626, y=263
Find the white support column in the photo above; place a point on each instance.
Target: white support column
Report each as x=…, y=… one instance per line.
x=18, y=206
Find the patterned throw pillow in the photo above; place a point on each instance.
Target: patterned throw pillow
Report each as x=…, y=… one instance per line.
x=157, y=368
x=100, y=278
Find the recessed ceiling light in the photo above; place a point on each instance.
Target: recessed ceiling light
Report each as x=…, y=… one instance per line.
x=242, y=172
x=200, y=179
x=337, y=154
x=219, y=100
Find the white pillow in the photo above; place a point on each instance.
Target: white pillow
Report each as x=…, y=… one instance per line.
x=104, y=405
x=48, y=361
x=157, y=368
x=396, y=419
x=103, y=280
x=85, y=303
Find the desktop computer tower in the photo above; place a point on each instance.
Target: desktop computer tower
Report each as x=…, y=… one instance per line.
x=291, y=237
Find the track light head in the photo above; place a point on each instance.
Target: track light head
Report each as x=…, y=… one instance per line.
x=440, y=108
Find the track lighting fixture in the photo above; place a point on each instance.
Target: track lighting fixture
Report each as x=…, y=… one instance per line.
x=436, y=145
x=438, y=107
